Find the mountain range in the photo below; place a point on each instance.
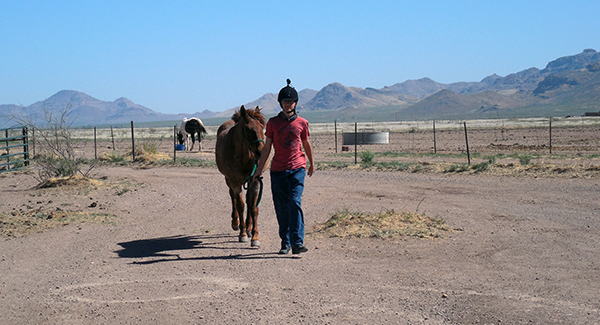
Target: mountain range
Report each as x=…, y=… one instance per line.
x=569, y=85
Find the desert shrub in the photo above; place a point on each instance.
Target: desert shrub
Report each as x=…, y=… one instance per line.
x=491, y=159
x=149, y=147
x=122, y=191
x=456, y=168
x=484, y=165
x=524, y=159
x=114, y=158
x=395, y=165
x=366, y=157
x=54, y=166
x=480, y=166
x=417, y=168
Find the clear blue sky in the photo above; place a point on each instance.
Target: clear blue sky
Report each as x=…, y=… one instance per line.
x=185, y=56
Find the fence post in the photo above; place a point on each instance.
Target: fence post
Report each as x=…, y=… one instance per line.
x=7, y=149
x=33, y=140
x=335, y=130
x=550, y=131
x=95, y=145
x=132, y=143
x=412, y=134
x=355, y=143
x=25, y=146
x=112, y=136
x=434, y=139
x=467, y=141
x=174, y=143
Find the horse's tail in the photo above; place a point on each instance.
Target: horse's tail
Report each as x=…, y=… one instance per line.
x=203, y=129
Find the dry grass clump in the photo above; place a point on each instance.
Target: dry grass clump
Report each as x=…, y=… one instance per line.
x=537, y=169
x=72, y=181
x=544, y=170
x=21, y=223
x=146, y=157
x=143, y=157
x=386, y=224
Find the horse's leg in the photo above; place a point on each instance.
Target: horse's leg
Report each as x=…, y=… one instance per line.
x=193, y=141
x=235, y=220
x=237, y=210
x=252, y=218
x=243, y=237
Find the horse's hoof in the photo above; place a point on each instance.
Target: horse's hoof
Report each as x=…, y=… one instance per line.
x=243, y=239
x=255, y=243
x=235, y=227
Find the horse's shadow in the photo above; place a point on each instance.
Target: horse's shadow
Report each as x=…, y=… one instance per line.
x=166, y=248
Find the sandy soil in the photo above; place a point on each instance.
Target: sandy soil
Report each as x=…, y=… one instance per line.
x=159, y=248
x=523, y=250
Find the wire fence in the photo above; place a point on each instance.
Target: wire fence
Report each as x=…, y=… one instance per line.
x=556, y=136
x=567, y=136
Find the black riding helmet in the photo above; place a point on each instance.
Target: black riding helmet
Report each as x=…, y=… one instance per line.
x=287, y=93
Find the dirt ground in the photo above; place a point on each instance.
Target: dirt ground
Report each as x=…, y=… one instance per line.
x=522, y=250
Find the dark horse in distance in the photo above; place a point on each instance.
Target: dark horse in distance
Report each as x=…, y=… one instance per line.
x=239, y=144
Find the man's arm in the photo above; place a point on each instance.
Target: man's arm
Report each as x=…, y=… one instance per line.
x=308, y=149
x=264, y=157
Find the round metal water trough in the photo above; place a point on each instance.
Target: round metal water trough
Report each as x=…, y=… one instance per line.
x=365, y=138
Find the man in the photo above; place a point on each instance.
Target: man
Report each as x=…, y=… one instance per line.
x=287, y=134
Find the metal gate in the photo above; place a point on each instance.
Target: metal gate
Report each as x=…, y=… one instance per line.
x=14, y=148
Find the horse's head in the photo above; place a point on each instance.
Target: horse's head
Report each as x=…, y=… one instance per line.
x=253, y=124
x=180, y=138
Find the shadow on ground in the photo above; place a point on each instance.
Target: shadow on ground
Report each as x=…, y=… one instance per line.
x=168, y=249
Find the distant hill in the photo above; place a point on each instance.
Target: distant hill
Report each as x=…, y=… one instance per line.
x=569, y=85
x=269, y=105
x=83, y=110
x=566, y=86
x=337, y=96
x=446, y=104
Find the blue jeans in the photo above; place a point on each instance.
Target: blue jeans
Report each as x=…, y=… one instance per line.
x=287, y=188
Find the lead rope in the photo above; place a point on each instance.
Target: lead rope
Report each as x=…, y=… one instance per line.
x=248, y=181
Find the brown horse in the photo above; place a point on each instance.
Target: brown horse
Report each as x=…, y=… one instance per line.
x=239, y=144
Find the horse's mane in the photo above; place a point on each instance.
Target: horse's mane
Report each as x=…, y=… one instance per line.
x=252, y=113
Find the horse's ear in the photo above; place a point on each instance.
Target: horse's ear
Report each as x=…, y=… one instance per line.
x=257, y=109
x=243, y=112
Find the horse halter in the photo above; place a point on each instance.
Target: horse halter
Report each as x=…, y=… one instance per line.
x=251, y=142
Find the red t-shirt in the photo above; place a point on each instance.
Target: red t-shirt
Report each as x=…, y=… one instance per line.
x=287, y=141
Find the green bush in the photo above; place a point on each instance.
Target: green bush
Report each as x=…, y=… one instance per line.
x=524, y=159
x=115, y=158
x=366, y=157
x=481, y=166
x=456, y=168
x=149, y=148
x=58, y=167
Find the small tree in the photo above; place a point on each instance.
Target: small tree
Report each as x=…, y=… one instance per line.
x=56, y=155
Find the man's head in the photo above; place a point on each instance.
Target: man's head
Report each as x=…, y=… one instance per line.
x=287, y=93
